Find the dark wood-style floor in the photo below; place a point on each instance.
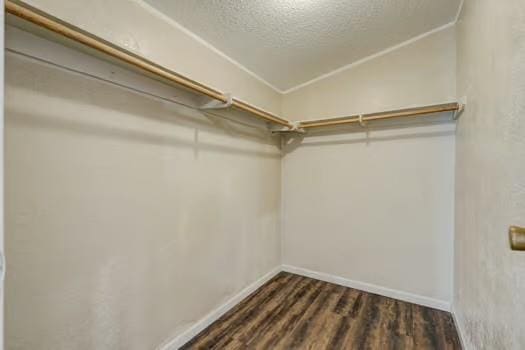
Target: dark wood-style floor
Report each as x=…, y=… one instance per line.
x=295, y=312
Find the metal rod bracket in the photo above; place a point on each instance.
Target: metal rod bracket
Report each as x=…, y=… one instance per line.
x=461, y=107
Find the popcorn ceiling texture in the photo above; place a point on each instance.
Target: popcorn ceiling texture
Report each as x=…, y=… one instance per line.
x=290, y=42
x=490, y=175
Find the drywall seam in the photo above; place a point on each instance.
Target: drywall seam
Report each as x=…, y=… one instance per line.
x=200, y=40
x=459, y=328
x=371, y=57
x=371, y=288
x=214, y=315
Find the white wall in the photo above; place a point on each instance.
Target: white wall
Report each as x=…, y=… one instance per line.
x=376, y=207
x=138, y=27
x=128, y=218
x=135, y=218
x=420, y=73
x=490, y=177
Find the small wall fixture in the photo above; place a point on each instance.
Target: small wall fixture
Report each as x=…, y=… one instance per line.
x=517, y=238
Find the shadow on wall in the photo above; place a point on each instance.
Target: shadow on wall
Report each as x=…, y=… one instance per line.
x=379, y=131
x=147, y=119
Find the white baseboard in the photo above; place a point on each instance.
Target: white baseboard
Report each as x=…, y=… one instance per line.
x=371, y=288
x=459, y=328
x=213, y=316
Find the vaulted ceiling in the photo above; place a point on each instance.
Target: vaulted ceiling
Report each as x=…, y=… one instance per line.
x=290, y=42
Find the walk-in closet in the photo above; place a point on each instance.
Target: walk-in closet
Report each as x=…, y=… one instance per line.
x=295, y=174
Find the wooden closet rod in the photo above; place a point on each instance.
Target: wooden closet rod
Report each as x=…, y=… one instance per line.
x=71, y=32
x=409, y=112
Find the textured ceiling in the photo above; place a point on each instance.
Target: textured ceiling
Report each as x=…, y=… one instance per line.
x=289, y=42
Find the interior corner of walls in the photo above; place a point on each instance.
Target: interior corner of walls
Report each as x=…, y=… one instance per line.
x=458, y=322
x=282, y=213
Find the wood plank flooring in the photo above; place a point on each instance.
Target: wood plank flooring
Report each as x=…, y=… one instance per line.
x=296, y=312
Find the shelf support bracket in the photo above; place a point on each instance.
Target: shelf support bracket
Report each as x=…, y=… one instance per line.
x=214, y=104
x=361, y=121
x=294, y=128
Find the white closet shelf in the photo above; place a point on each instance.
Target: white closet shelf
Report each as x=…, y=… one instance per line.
x=99, y=47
